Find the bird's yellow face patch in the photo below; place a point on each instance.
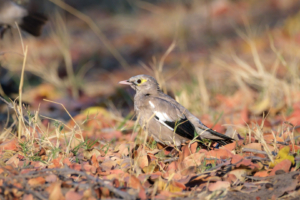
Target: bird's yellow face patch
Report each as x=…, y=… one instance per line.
x=141, y=81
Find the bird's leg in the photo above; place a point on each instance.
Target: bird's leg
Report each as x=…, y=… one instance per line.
x=169, y=151
x=3, y=28
x=174, y=152
x=10, y=30
x=203, y=146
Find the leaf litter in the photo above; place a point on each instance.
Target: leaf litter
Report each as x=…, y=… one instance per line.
x=100, y=154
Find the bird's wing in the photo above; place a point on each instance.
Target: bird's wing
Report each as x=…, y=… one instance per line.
x=208, y=133
x=168, y=105
x=201, y=129
x=169, y=115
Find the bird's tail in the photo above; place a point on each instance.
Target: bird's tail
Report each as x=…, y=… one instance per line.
x=224, y=139
x=33, y=23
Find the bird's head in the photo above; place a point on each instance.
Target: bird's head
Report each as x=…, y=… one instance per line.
x=142, y=83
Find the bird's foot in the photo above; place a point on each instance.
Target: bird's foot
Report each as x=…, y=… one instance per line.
x=174, y=152
x=3, y=29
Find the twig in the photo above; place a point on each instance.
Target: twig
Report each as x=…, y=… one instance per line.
x=255, y=178
x=10, y=105
x=36, y=194
x=254, y=151
x=289, y=139
x=7, y=184
x=256, y=158
x=21, y=93
x=171, y=159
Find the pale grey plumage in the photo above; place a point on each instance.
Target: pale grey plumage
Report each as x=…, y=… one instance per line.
x=166, y=120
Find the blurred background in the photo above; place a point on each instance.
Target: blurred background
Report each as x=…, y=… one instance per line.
x=227, y=61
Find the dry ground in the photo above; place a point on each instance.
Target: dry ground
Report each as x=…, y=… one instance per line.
x=68, y=129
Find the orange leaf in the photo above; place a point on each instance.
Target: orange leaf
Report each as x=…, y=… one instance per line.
x=88, y=154
x=284, y=165
x=108, y=165
x=94, y=161
x=14, y=161
x=76, y=166
x=56, y=162
x=256, y=146
x=9, y=145
x=142, y=194
x=143, y=161
x=116, y=171
x=218, y=185
x=185, y=153
x=36, y=181
x=236, y=158
x=89, y=168
x=219, y=153
x=27, y=197
x=67, y=162
x=230, y=146
x=231, y=178
x=72, y=195
x=239, y=173
x=134, y=182
x=194, y=147
x=54, y=191
x=172, y=167
x=51, y=178
x=262, y=174
x=123, y=149
x=155, y=176
x=248, y=163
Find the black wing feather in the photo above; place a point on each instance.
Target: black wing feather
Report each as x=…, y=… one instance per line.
x=186, y=129
x=182, y=127
x=226, y=139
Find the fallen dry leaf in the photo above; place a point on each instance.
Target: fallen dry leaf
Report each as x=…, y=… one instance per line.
x=36, y=181
x=55, y=192
x=27, y=197
x=14, y=161
x=218, y=185
x=219, y=153
x=253, y=93
x=9, y=145
x=72, y=195
x=284, y=165
x=240, y=173
x=262, y=174
x=89, y=153
x=256, y=146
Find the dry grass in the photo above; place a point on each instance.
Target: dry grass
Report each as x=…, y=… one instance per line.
x=195, y=83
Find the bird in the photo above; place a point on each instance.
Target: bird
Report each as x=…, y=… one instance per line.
x=166, y=120
x=11, y=13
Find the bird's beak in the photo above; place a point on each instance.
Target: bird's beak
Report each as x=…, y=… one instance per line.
x=126, y=82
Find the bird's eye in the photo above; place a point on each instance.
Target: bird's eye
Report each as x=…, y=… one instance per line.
x=139, y=81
